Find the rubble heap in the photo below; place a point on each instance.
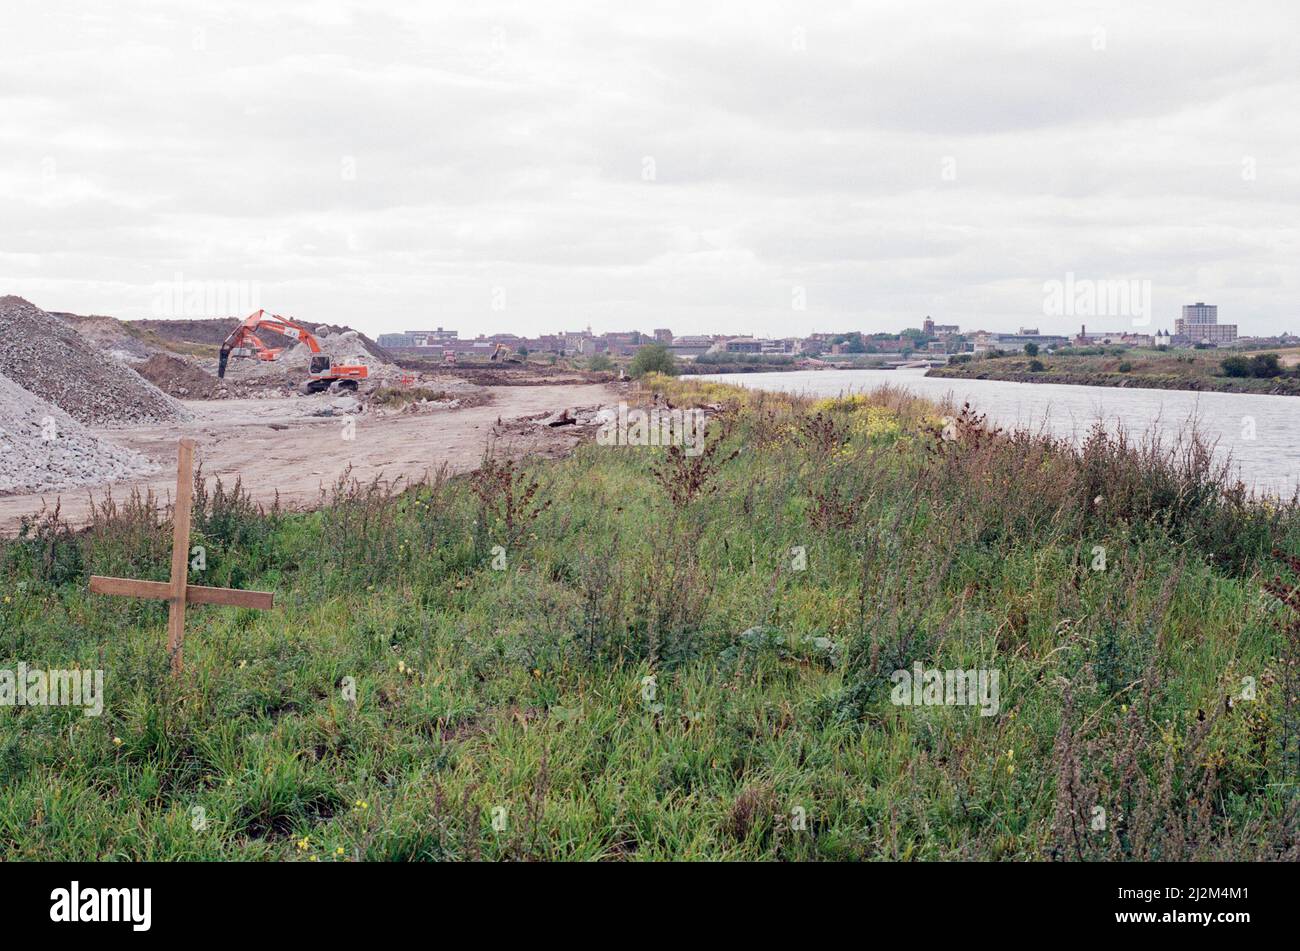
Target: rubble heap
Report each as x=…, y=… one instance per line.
x=44, y=448
x=46, y=356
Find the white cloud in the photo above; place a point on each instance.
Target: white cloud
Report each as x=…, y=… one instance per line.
x=390, y=169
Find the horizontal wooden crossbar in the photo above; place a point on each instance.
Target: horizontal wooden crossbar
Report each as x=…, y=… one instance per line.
x=194, y=594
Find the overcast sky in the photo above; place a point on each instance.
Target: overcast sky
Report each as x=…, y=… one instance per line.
x=774, y=168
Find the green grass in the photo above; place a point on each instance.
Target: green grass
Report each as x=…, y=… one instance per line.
x=158, y=342
x=522, y=693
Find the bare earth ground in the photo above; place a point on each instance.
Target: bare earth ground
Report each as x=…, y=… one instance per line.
x=306, y=454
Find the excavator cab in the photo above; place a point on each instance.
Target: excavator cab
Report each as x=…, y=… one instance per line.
x=326, y=375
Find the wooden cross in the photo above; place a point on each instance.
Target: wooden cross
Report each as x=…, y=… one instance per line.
x=178, y=592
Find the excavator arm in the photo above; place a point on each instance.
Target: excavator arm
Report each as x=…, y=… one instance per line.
x=245, y=337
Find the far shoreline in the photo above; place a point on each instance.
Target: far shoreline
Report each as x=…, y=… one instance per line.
x=1190, y=371
x=1193, y=371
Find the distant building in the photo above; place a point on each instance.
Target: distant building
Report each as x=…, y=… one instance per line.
x=479, y=346
x=576, y=343
x=786, y=345
x=1112, y=338
x=983, y=341
x=624, y=343
x=1278, y=340
x=884, y=345
x=417, y=338
x=737, y=345
x=931, y=329
x=546, y=343
x=663, y=335
x=688, y=348
x=1200, y=324
x=783, y=345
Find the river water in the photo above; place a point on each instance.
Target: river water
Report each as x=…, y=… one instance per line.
x=1259, y=434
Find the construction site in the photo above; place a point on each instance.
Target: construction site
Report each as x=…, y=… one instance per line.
x=92, y=405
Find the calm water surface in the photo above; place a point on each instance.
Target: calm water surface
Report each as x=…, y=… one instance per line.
x=1270, y=461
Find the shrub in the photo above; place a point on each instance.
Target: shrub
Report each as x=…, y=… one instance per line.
x=402, y=395
x=1265, y=365
x=653, y=358
x=1126, y=367
x=505, y=493
x=600, y=362
x=1235, y=366
x=1037, y=366
x=685, y=478
x=1031, y=349
x=48, y=548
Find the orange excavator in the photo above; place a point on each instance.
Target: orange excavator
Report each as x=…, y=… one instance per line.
x=245, y=342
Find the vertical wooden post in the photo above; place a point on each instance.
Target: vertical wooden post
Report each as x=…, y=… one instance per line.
x=178, y=590
x=180, y=554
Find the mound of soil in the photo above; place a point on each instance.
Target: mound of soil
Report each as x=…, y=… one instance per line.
x=46, y=356
x=179, y=377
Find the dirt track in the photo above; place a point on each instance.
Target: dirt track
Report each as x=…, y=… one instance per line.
x=236, y=438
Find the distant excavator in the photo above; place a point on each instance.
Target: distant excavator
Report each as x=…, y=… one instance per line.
x=244, y=342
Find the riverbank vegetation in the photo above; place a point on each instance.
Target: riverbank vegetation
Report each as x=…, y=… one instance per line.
x=739, y=363
x=1206, y=370
x=636, y=653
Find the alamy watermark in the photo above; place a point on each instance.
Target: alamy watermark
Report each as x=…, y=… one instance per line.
x=77, y=903
x=922, y=687
x=655, y=427
x=181, y=298
x=33, y=687
x=1081, y=297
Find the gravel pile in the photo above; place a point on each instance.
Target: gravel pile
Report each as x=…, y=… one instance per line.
x=44, y=448
x=344, y=347
x=46, y=356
